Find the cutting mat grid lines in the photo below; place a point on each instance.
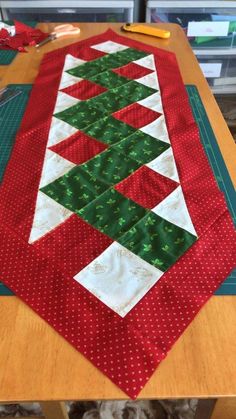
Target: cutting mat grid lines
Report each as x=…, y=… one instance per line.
x=11, y=115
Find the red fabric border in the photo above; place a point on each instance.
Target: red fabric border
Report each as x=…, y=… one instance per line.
x=127, y=350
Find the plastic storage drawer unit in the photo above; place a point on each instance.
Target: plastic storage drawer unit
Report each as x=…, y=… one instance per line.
x=208, y=24
x=220, y=72
x=68, y=10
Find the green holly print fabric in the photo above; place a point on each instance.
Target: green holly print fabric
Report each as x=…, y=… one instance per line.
x=80, y=115
x=119, y=98
x=157, y=241
x=141, y=147
x=112, y=213
x=109, y=102
x=110, y=166
x=109, y=130
x=84, y=183
x=86, y=112
x=131, y=54
x=109, y=61
x=75, y=189
x=109, y=79
x=134, y=91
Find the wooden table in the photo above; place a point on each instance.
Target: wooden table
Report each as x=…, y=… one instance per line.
x=38, y=364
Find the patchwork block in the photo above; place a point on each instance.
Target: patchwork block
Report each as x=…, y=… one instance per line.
x=110, y=166
x=75, y=189
x=146, y=187
x=120, y=284
x=84, y=90
x=132, y=71
x=79, y=148
x=109, y=130
x=136, y=115
x=141, y=147
x=157, y=241
x=80, y=115
x=111, y=205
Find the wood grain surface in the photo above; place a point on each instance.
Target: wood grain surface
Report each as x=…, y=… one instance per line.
x=38, y=364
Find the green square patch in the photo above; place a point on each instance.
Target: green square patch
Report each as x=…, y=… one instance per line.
x=157, y=241
x=110, y=166
x=109, y=102
x=109, y=130
x=112, y=213
x=131, y=54
x=134, y=91
x=91, y=68
x=75, y=189
x=109, y=79
x=141, y=147
x=80, y=115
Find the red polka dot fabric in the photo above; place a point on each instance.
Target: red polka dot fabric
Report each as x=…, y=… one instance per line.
x=132, y=71
x=79, y=148
x=84, y=89
x=146, y=187
x=74, y=242
x=136, y=115
x=129, y=349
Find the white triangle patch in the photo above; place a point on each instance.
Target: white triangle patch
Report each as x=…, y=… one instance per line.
x=147, y=62
x=54, y=167
x=174, y=209
x=119, y=284
x=165, y=165
x=72, y=62
x=68, y=80
x=157, y=129
x=149, y=80
x=48, y=215
x=153, y=102
x=109, y=47
x=59, y=131
x=64, y=101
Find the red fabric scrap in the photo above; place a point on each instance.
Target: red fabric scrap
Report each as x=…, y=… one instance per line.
x=25, y=35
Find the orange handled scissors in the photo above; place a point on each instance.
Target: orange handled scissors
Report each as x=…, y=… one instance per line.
x=60, y=30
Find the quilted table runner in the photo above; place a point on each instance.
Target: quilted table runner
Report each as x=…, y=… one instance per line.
x=112, y=226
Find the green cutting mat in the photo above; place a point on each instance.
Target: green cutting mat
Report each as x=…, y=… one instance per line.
x=7, y=55
x=11, y=115
x=10, y=118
